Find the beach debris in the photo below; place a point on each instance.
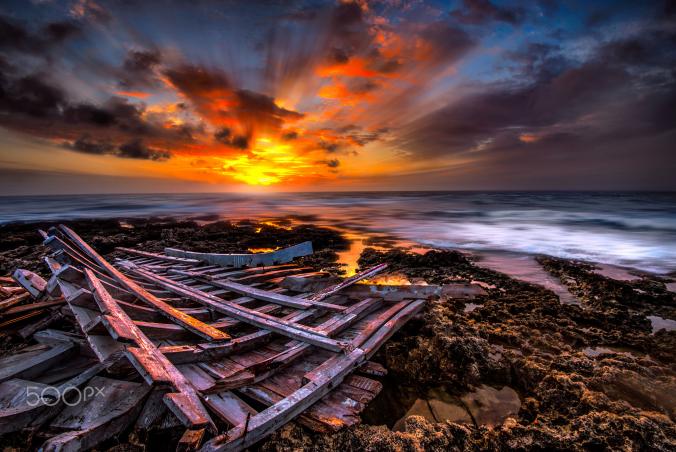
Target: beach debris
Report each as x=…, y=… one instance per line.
x=388, y=292
x=281, y=256
x=24, y=298
x=223, y=346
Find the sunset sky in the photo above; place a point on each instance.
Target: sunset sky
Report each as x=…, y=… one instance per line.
x=173, y=96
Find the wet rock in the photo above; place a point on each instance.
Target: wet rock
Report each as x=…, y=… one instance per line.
x=490, y=406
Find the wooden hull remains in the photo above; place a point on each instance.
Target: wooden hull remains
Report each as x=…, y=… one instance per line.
x=277, y=257
x=193, y=339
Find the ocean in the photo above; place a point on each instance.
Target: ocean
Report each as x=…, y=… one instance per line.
x=629, y=229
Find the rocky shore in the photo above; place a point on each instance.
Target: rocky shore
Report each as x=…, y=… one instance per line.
x=513, y=369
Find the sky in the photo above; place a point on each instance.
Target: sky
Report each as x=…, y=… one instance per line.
x=261, y=96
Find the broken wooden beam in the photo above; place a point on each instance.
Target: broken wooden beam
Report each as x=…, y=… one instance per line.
x=150, y=362
x=176, y=316
x=294, y=331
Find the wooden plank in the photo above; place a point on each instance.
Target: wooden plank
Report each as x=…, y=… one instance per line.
x=246, y=260
x=210, y=351
x=105, y=414
x=33, y=365
x=282, y=412
x=155, y=366
x=20, y=412
x=415, y=292
x=52, y=316
x=273, y=297
x=264, y=369
x=370, y=340
x=250, y=316
x=257, y=277
x=327, y=292
x=229, y=407
x=161, y=257
x=33, y=283
x=186, y=321
x=191, y=440
x=327, y=376
x=33, y=306
x=16, y=299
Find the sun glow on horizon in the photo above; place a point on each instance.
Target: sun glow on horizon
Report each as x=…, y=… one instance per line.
x=266, y=164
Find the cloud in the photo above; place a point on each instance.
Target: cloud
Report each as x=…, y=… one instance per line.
x=138, y=69
x=243, y=113
x=133, y=149
x=33, y=104
x=17, y=37
x=136, y=149
x=594, y=111
x=475, y=12
x=90, y=10
x=224, y=136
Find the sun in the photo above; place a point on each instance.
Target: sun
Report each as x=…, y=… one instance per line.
x=268, y=163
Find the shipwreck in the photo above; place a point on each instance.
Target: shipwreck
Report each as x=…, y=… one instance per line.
x=227, y=347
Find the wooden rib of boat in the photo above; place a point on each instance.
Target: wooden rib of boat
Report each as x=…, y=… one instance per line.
x=245, y=260
x=208, y=337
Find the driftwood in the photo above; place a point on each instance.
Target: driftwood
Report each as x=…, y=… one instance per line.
x=170, y=318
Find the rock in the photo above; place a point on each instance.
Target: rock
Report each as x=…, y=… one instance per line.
x=491, y=407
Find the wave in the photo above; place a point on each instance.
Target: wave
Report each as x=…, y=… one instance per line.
x=631, y=229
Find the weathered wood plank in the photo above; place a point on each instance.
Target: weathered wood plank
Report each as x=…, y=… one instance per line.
x=327, y=292
x=415, y=292
x=327, y=376
x=12, y=301
x=17, y=411
x=33, y=365
x=246, y=260
x=161, y=257
x=148, y=360
x=31, y=282
x=250, y=316
x=105, y=414
x=186, y=321
x=280, y=413
x=191, y=440
x=33, y=306
x=273, y=297
x=229, y=407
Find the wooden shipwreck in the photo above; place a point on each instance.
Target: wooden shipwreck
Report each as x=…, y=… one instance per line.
x=217, y=344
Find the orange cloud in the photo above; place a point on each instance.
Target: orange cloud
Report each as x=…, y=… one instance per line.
x=528, y=138
x=354, y=67
x=135, y=94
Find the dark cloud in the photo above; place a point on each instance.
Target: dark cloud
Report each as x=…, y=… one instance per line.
x=290, y=135
x=329, y=147
x=213, y=95
x=446, y=43
x=138, y=69
x=136, y=149
x=196, y=81
x=17, y=37
x=225, y=136
x=35, y=105
x=133, y=149
x=90, y=10
x=477, y=12
x=259, y=107
x=88, y=146
x=623, y=95
x=331, y=163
